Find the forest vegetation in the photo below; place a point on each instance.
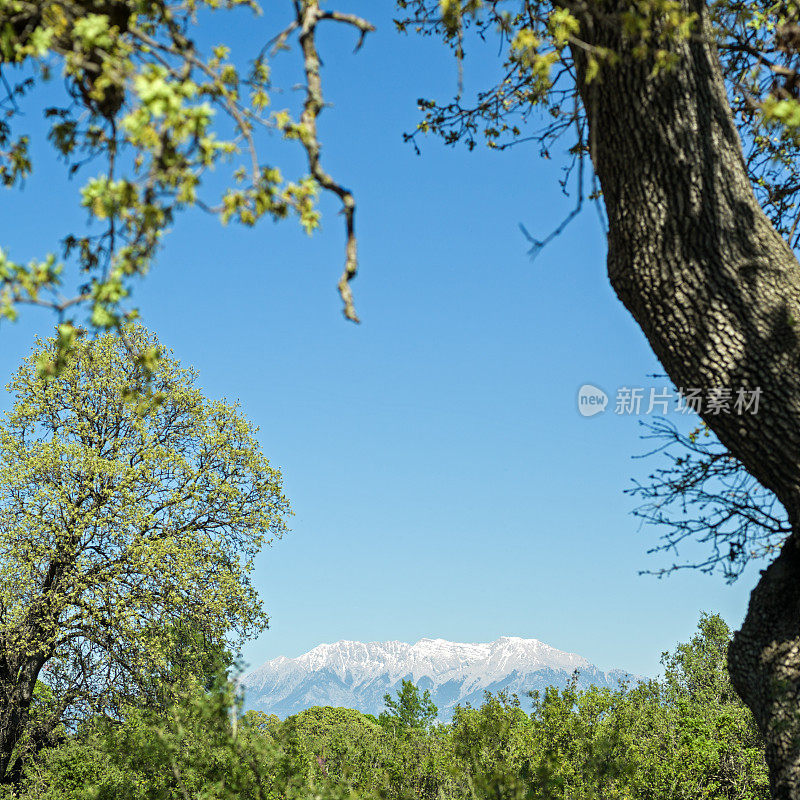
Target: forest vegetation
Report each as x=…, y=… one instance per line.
x=685, y=735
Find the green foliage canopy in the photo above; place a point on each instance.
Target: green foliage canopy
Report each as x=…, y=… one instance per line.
x=123, y=536
x=685, y=737
x=151, y=114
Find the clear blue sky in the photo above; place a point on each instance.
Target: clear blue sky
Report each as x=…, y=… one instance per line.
x=443, y=482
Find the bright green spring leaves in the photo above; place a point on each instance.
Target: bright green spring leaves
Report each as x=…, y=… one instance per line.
x=151, y=115
x=533, y=96
x=538, y=41
x=773, y=29
x=685, y=737
x=120, y=532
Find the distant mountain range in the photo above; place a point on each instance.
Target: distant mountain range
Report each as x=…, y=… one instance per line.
x=358, y=675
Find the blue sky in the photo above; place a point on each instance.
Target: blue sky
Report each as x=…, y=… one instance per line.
x=443, y=481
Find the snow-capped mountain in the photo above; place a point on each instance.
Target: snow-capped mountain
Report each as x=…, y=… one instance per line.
x=358, y=675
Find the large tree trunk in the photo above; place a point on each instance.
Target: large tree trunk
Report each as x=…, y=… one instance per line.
x=716, y=290
x=17, y=682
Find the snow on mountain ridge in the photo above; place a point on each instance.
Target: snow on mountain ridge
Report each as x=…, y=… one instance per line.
x=426, y=658
x=358, y=674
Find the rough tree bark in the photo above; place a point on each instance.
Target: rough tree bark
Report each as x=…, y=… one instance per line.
x=17, y=682
x=716, y=291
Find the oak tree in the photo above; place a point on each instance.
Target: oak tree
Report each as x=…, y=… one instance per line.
x=689, y=115
x=126, y=538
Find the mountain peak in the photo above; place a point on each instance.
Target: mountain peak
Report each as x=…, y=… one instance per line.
x=359, y=674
